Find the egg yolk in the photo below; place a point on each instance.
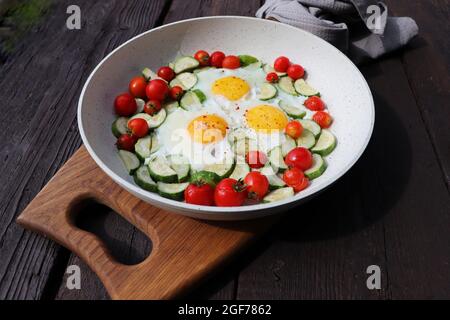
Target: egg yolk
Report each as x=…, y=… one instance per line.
x=232, y=88
x=207, y=128
x=265, y=118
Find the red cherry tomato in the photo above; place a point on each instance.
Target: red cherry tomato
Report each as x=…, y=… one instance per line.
x=295, y=178
x=314, y=103
x=272, y=77
x=295, y=71
x=157, y=89
x=217, y=59
x=152, y=107
x=231, y=62
x=202, y=57
x=300, y=158
x=281, y=64
x=137, y=87
x=230, y=193
x=201, y=194
x=138, y=127
x=323, y=119
x=257, y=185
x=125, y=105
x=176, y=93
x=166, y=73
x=126, y=142
x=294, y=129
x=256, y=159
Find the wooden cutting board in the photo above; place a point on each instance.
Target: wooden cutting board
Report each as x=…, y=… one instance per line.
x=184, y=251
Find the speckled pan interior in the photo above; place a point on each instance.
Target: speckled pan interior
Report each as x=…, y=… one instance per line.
x=341, y=84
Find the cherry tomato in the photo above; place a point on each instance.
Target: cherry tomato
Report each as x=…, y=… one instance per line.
x=137, y=87
x=230, y=193
x=300, y=158
x=296, y=179
x=257, y=185
x=281, y=64
x=202, y=57
x=166, y=73
x=294, y=129
x=323, y=119
x=126, y=142
x=152, y=107
x=314, y=103
x=138, y=127
x=125, y=105
x=217, y=59
x=201, y=194
x=256, y=159
x=295, y=71
x=176, y=92
x=272, y=77
x=157, y=89
x=231, y=62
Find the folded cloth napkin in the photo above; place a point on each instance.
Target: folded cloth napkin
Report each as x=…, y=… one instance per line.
x=360, y=28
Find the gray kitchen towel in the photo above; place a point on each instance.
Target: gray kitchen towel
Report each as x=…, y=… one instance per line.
x=360, y=28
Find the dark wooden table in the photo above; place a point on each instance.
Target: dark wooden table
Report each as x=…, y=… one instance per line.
x=392, y=209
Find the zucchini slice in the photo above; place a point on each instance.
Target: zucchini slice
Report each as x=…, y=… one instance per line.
x=140, y=105
x=223, y=170
x=292, y=111
x=190, y=101
x=153, y=121
x=318, y=167
x=143, y=179
x=303, y=88
x=287, y=145
x=130, y=160
x=267, y=92
x=200, y=95
x=279, y=194
x=174, y=191
x=240, y=171
x=155, y=143
x=208, y=177
x=119, y=126
x=247, y=60
x=161, y=171
x=275, y=182
x=268, y=69
x=311, y=126
x=276, y=159
x=287, y=85
x=186, y=80
x=325, y=144
x=185, y=64
x=148, y=74
x=171, y=106
x=181, y=166
x=242, y=146
x=306, y=140
x=142, y=147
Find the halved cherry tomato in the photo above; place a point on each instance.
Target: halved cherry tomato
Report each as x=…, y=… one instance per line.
x=281, y=64
x=137, y=87
x=202, y=57
x=217, y=59
x=256, y=159
x=138, y=127
x=126, y=142
x=166, y=73
x=201, y=194
x=272, y=77
x=300, y=158
x=294, y=129
x=152, y=107
x=323, y=119
x=230, y=193
x=176, y=92
x=157, y=89
x=257, y=185
x=231, y=62
x=295, y=71
x=296, y=179
x=125, y=105
x=314, y=103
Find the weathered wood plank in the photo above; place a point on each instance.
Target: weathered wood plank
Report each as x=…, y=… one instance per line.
x=40, y=86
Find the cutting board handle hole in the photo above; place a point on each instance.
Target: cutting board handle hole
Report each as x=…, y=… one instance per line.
x=127, y=244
